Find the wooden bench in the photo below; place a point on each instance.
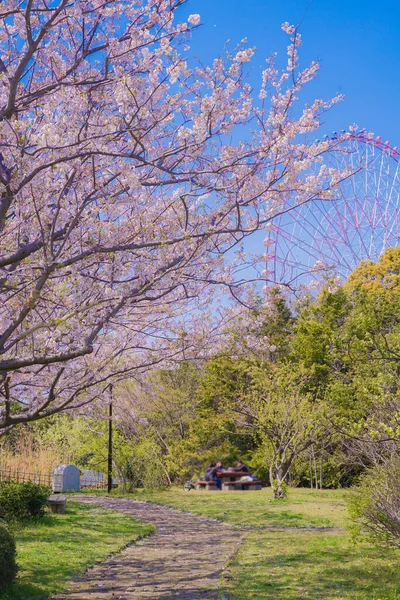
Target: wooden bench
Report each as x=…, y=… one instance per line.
x=242, y=485
x=230, y=485
x=254, y=485
x=210, y=486
x=57, y=503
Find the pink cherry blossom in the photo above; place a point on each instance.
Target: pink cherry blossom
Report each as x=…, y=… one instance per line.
x=123, y=193
x=244, y=56
x=194, y=19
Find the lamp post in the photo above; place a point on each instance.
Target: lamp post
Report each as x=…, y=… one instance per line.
x=110, y=448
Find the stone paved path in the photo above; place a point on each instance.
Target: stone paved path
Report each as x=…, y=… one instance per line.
x=184, y=559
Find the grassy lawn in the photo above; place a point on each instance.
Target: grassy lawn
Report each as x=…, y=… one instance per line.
x=52, y=549
x=286, y=564
x=293, y=565
x=304, y=508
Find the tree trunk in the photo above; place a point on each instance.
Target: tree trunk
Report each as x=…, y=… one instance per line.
x=320, y=469
x=277, y=476
x=315, y=467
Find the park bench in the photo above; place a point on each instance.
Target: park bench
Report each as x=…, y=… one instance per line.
x=250, y=485
x=210, y=486
x=57, y=503
x=229, y=485
x=230, y=480
x=242, y=485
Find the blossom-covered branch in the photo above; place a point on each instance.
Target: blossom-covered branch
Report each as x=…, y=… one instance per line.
x=122, y=190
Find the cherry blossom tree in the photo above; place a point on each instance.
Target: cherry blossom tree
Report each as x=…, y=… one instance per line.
x=127, y=176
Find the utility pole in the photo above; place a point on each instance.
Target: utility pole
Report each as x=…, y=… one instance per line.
x=110, y=448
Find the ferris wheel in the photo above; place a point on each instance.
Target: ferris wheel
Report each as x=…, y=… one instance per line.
x=322, y=237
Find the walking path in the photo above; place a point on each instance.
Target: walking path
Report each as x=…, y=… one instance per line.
x=184, y=559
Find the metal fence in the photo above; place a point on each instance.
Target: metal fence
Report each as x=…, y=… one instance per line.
x=94, y=480
x=8, y=475
x=88, y=480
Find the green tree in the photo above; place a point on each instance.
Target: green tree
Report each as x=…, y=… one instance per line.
x=270, y=403
x=349, y=341
x=158, y=412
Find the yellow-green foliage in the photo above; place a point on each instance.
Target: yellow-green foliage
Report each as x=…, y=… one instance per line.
x=375, y=504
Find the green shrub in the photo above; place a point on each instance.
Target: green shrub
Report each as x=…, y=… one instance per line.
x=375, y=504
x=22, y=500
x=8, y=566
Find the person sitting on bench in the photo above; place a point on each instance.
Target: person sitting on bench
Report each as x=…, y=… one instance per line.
x=219, y=467
x=210, y=473
x=240, y=466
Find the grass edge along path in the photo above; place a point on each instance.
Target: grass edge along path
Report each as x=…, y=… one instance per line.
x=304, y=508
x=53, y=550
x=294, y=565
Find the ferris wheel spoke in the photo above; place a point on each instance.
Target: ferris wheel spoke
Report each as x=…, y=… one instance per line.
x=358, y=225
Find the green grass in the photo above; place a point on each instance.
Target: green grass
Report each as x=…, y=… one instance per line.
x=53, y=549
x=304, y=508
x=290, y=564
x=294, y=565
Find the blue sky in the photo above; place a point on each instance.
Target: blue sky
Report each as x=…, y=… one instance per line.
x=357, y=42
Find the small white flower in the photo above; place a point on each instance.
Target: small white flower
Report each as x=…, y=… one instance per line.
x=244, y=55
x=194, y=19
